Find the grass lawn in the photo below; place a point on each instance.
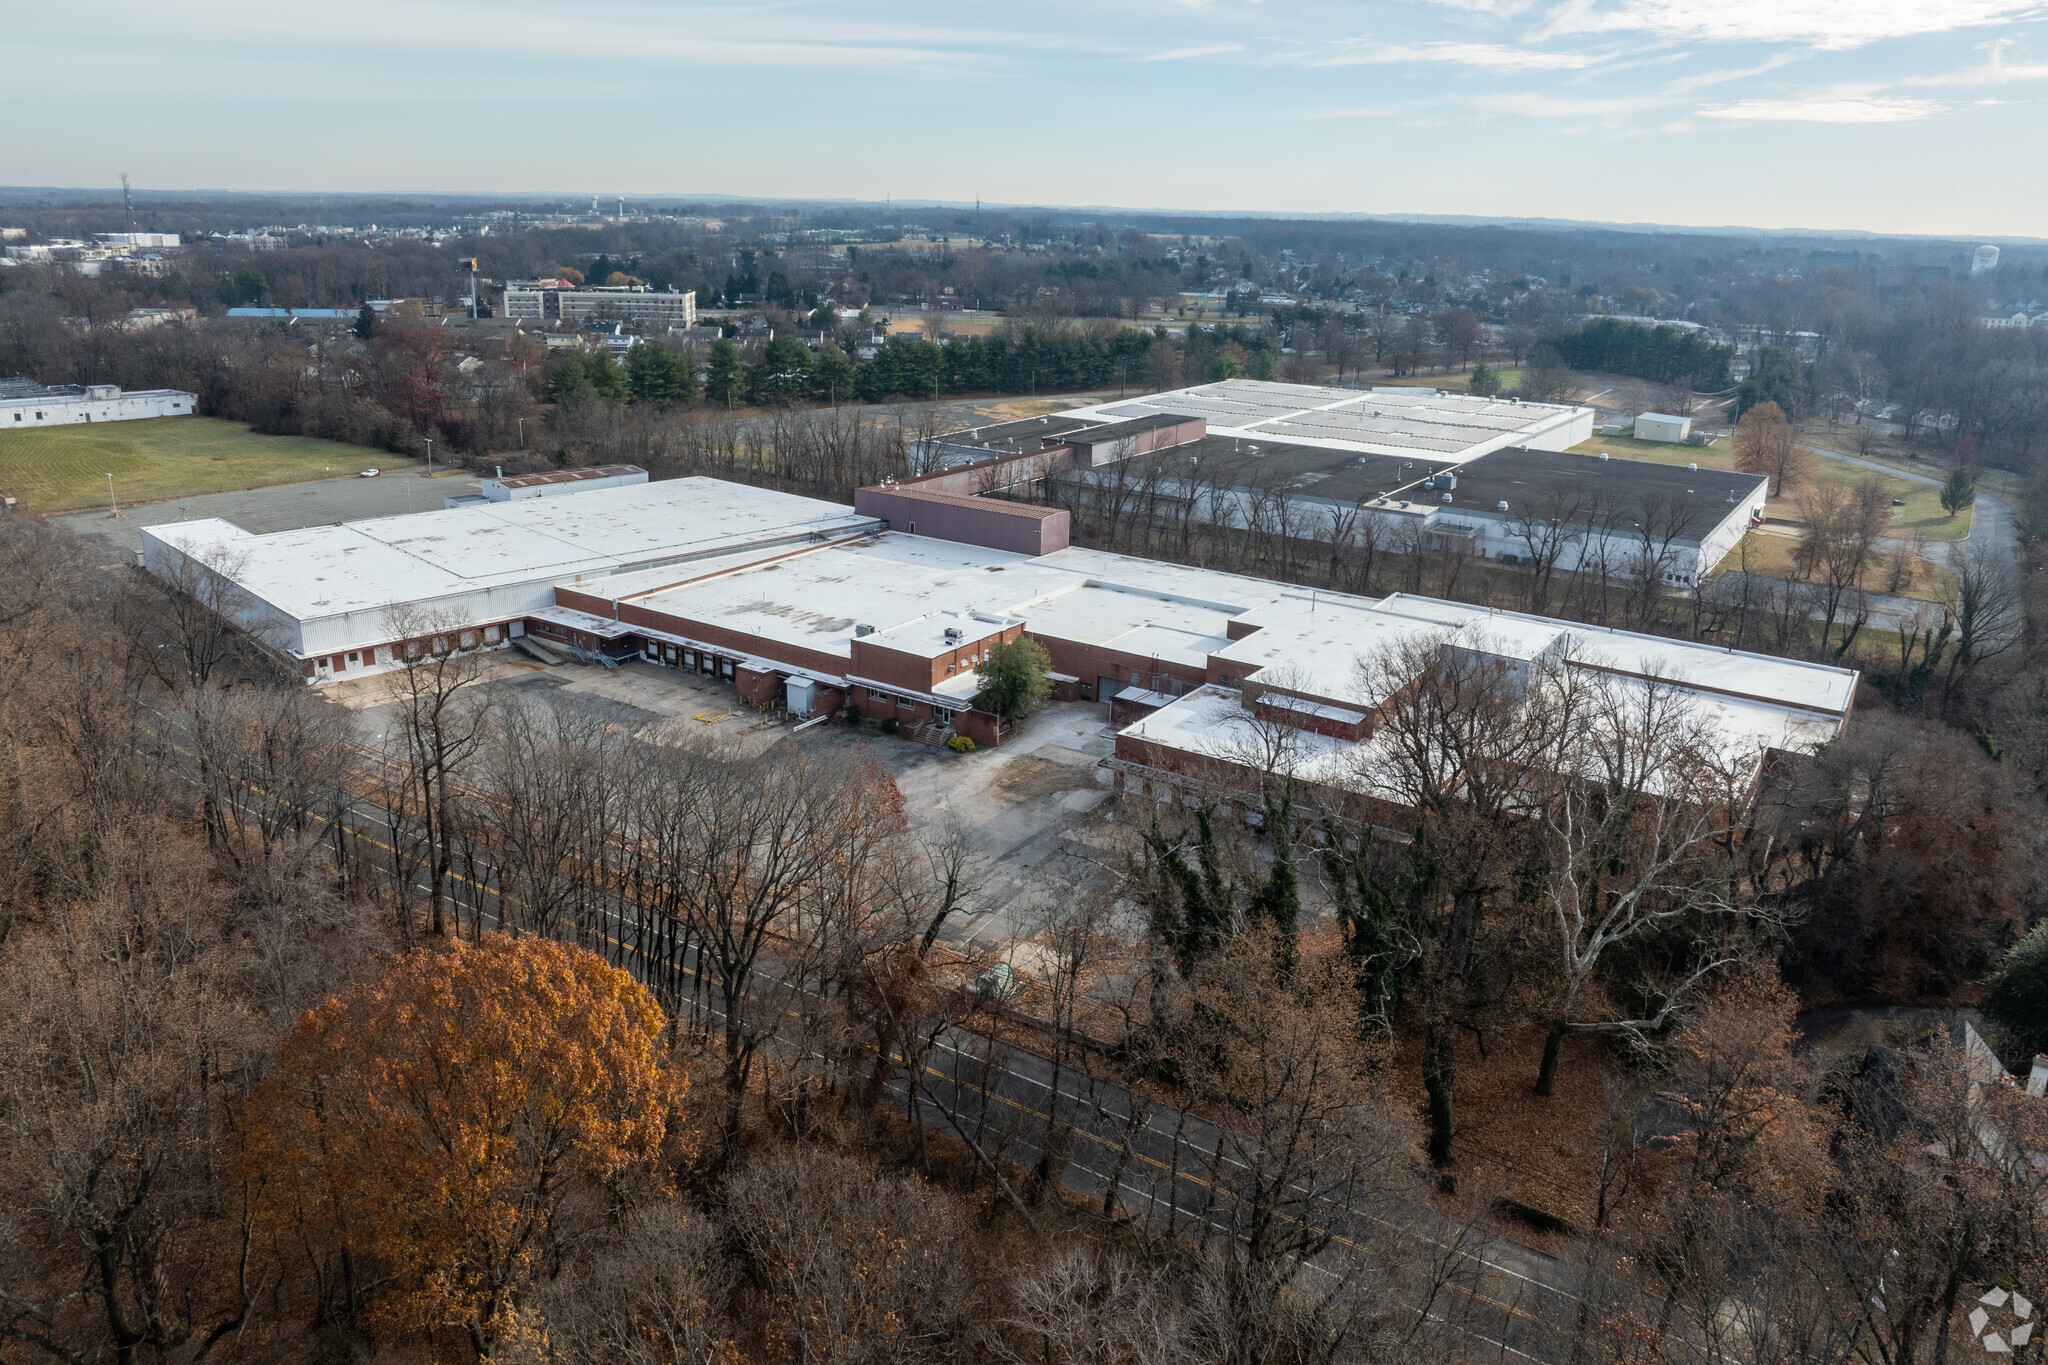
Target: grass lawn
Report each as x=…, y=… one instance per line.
x=1920, y=510
x=55, y=469
x=1926, y=461
x=1771, y=556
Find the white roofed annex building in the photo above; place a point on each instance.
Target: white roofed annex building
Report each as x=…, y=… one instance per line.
x=1489, y=477
x=814, y=607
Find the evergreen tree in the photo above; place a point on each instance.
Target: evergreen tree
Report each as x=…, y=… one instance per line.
x=659, y=374
x=1960, y=491
x=2016, y=995
x=1369, y=903
x=725, y=375
x=1278, y=902
x=588, y=376
x=1196, y=910
x=784, y=370
x=1485, y=381
x=1773, y=376
x=832, y=375
x=366, y=322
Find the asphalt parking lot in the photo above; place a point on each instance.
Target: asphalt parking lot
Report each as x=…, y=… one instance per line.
x=282, y=508
x=1038, y=809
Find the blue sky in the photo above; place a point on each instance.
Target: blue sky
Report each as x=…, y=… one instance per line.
x=1885, y=115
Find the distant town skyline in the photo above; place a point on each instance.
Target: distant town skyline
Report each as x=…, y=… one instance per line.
x=1904, y=116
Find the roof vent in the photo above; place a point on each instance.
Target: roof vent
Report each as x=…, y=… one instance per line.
x=863, y=629
x=1404, y=503
x=1447, y=498
x=1501, y=506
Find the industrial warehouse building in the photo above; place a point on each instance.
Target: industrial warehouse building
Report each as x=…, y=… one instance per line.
x=1421, y=470
x=817, y=607
x=1413, y=424
x=27, y=404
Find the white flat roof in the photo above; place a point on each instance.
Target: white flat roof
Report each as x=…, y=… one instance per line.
x=1446, y=427
x=909, y=588
x=1737, y=673
x=320, y=571
x=1211, y=722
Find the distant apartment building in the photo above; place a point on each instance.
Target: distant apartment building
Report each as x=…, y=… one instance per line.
x=154, y=241
x=636, y=305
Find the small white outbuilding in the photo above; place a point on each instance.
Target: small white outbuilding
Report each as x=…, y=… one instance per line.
x=1662, y=426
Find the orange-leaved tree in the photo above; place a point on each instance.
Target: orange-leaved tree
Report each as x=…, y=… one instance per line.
x=424, y=1137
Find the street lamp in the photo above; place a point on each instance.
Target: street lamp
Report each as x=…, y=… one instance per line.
x=113, y=508
x=430, y=456
x=522, y=433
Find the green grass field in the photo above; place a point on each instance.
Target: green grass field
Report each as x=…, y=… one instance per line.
x=56, y=469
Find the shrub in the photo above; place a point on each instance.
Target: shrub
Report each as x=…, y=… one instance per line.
x=960, y=744
x=2016, y=995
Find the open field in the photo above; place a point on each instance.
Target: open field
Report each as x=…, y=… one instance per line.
x=1920, y=510
x=1927, y=461
x=59, y=468
x=1771, y=556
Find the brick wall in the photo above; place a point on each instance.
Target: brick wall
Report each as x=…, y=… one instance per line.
x=735, y=642
x=1088, y=662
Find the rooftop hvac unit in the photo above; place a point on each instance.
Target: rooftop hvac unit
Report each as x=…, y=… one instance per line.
x=863, y=629
x=953, y=634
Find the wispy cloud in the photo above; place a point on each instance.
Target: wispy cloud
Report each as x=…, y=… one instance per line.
x=1995, y=70
x=1828, y=109
x=1188, y=54
x=1485, y=56
x=1831, y=25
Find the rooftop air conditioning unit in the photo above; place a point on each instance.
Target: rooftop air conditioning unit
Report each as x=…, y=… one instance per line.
x=953, y=635
x=863, y=629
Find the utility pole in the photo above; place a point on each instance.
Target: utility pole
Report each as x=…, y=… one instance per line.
x=113, y=508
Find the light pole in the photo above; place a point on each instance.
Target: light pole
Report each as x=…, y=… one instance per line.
x=522, y=433
x=113, y=508
x=430, y=456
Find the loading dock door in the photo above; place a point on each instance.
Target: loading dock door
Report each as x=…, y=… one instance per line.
x=1105, y=691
